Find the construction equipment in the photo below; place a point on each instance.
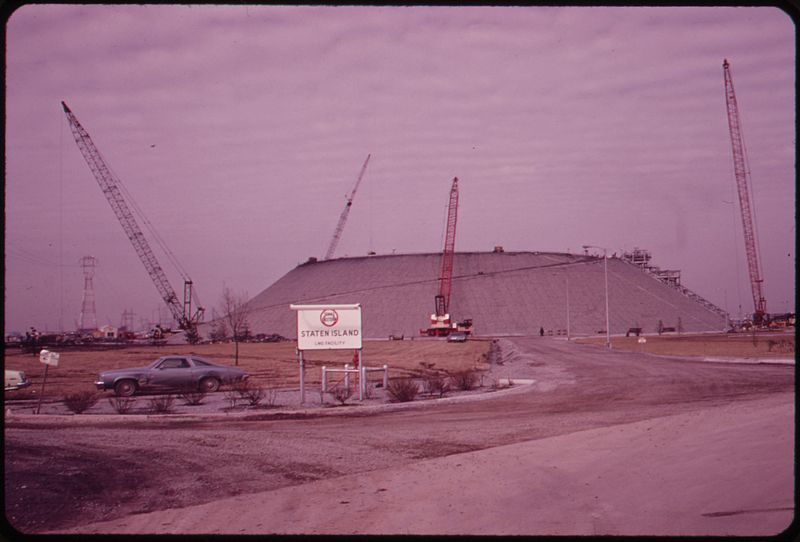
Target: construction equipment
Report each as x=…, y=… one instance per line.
x=743, y=184
x=441, y=325
x=337, y=234
x=110, y=186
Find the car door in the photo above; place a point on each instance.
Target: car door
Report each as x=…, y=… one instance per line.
x=172, y=372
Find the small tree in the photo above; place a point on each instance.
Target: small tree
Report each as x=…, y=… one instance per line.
x=236, y=311
x=219, y=331
x=192, y=334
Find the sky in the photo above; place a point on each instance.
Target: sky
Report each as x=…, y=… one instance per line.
x=240, y=130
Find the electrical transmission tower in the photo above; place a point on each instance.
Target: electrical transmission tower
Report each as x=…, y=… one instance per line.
x=88, y=319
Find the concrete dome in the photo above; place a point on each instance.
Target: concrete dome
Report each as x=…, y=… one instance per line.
x=504, y=293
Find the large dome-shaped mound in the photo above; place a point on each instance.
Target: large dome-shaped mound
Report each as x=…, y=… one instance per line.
x=504, y=293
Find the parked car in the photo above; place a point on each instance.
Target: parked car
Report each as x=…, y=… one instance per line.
x=457, y=337
x=16, y=380
x=170, y=372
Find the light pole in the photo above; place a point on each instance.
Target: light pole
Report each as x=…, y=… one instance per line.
x=605, y=274
x=566, y=277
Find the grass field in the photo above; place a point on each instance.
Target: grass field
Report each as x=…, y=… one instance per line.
x=269, y=364
x=276, y=364
x=724, y=345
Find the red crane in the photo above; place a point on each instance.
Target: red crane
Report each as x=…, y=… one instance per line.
x=440, y=319
x=110, y=187
x=442, y=299
x=337, y=234
x=743, y=184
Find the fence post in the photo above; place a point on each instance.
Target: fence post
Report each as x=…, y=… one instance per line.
x=302, y=378
x=385, y=376
x=324, y=380
x=346, y=376
x=361, y=380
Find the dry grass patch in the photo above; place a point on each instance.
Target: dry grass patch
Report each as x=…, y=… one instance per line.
x=271, y=365
x=724, y=345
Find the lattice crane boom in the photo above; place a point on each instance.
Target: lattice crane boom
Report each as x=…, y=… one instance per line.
x=110, y=188
x=446, y=270
x=337, y=234
x=743, y=182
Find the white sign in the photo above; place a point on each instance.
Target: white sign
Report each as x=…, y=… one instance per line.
x=49, y=358
x=328, y=327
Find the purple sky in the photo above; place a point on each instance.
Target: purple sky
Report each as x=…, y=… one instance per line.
x=239, y=130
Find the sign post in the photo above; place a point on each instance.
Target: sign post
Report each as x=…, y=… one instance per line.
x=48, y=358
x=327, y=327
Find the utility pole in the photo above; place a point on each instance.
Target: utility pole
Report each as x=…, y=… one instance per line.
x=605, y=277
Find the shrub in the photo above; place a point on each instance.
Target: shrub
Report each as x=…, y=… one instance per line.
x=81, y=401
x=402, y=390
x=252, y=395
x=192, y=396
x=232, y=395
x=271, y=396
x=121, y=404
x=341, y=393
x=436, y=385
x=368, y=390
x=464, y=380
x=161, y=404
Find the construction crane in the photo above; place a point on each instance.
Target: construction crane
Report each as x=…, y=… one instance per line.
x=182, y=312
x=441, y=324
x=337, y=234
x=743, y=184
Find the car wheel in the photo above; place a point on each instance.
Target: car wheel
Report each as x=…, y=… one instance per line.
x=209, y=384
x=125, y=388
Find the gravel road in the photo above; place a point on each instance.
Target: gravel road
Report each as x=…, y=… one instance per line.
x=63, y=474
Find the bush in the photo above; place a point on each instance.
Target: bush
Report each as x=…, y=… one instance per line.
x=252, y=395
x=464, y=380
x=436, y=385
x=121, y=404
x=192, y=396
x=232, y=395
x=402, y=390
x=271, y=396
x=244, y=390
x=81, y=401
x=161, y=404
x=341, y=393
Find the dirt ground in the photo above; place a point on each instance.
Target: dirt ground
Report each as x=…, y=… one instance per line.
x=65, y=474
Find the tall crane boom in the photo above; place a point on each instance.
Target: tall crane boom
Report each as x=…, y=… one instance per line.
x=743, y=182
x=442, y=300
x=337, y=234
x=441, y=324
x=110, y=187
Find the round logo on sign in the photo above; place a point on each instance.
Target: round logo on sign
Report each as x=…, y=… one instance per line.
x=329, y=317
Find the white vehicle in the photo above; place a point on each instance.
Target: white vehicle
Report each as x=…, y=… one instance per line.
x=16, y=380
